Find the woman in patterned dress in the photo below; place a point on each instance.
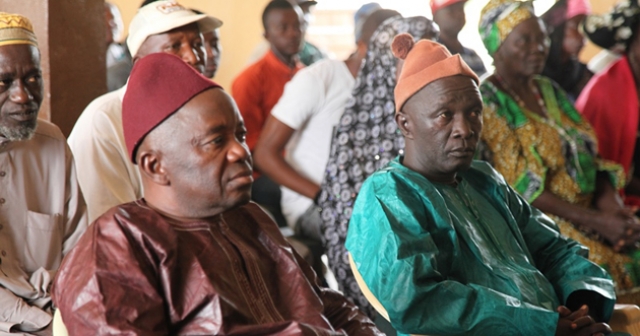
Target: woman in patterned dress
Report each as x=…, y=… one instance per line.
x=366, y=139
x=544, y=148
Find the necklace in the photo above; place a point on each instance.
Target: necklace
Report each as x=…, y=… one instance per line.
x=520, y=101
x=552, y=120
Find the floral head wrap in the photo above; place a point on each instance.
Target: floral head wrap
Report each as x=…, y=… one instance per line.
x=499, y=17
x=614, y=30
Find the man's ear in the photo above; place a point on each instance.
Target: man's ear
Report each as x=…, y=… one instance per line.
x=404, y=123
x=151, y=165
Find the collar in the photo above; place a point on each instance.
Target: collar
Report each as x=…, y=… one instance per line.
x=273, y=61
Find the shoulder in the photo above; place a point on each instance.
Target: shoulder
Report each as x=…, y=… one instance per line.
x=138, y=223
x=102, y=109
x=395, y=178
x=50, y=131
x=250, y=73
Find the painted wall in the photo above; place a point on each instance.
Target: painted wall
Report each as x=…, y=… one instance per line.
x=241, y=32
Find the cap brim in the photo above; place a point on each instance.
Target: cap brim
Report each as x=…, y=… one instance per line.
x=209, y=23
x=163, y=27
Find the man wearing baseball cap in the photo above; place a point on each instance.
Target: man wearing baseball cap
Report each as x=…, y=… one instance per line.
x=105, y=175
x=450, y=17
x=194, y=256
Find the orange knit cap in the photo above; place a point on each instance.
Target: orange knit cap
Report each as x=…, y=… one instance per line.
x=424, y=62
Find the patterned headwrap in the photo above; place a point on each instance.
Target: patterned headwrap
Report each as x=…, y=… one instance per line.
x=614, y=30
x=16, y=29
x=499, y=17
x=365, y=140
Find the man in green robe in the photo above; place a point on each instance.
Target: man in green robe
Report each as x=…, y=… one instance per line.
x=445, y=245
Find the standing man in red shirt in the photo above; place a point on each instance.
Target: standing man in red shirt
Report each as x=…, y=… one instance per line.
x=259, y=87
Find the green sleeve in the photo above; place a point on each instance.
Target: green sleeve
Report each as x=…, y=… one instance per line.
x=403, y=245
x=563, y=261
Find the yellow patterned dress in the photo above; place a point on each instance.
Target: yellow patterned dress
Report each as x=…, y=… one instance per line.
x=558, y=154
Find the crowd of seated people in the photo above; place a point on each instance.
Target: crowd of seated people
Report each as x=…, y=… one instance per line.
x=448, y=200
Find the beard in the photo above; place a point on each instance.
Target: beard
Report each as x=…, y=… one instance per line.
x=24, y=131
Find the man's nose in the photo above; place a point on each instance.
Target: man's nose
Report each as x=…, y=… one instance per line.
x=462, y=128
x=238, y=152
x=19, y=93
x=192, y=56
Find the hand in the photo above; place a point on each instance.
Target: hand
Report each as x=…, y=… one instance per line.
x=620, y=228
x=579, y=323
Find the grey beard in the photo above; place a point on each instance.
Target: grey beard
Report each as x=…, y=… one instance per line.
x=20, y=133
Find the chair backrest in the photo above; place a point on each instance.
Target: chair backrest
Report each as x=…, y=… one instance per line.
x=59, y=329
x=375, y=303
x=366, y=291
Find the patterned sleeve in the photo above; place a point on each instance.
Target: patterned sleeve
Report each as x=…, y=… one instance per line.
x=614, y=171
x=508, y=144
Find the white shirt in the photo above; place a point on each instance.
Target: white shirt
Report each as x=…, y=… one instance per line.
x=312, y=104
x=106, y=175
x=42, y=216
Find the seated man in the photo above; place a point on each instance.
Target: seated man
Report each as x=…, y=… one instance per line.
x=302, y=122
x=446, y=246
x=42, y=212
x=105, y=175
x=193, y=257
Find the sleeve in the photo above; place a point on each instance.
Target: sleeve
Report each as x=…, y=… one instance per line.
x=512, y=152
x=302, y=98
x=105, y=178
x=247, y=93
x=563, y=261
x=105, y=286
x=342, y=314
x=405, y=266
x=75, y=220
x=20, y=315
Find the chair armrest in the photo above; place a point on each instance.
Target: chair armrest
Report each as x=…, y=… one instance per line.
x=626, y=318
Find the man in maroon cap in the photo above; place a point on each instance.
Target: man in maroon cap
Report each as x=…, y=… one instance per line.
x=193, y=256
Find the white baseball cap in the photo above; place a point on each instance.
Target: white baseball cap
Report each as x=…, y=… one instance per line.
x=162, y=16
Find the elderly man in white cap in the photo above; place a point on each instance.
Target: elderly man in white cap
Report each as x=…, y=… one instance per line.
x=42, y=212
x=106, y=176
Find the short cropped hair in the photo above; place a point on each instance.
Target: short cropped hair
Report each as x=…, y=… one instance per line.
x=273, y=5
x=372, y=23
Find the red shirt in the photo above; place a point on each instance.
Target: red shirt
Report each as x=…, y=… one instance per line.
x=257, y=89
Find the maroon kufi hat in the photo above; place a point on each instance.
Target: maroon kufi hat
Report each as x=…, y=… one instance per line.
x=159, y=85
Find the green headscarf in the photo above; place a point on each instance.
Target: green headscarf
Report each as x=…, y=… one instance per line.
x=499, y=17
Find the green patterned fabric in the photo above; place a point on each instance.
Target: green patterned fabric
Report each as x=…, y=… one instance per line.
x=582, y=161
x=474, y=259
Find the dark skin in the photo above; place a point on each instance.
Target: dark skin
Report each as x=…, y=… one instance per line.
x=520, y=57
x=184, y=42
x=284, y=33
x=21, y=89
x=572, y=44
x=268, y=152
x=196, y=164
x=634, y=61
x=451, y=20
x=441, y=125
x=213, y=52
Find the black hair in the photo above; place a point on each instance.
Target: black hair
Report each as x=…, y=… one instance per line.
x=274, y=4
x=374, y=20
x=146, y=2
